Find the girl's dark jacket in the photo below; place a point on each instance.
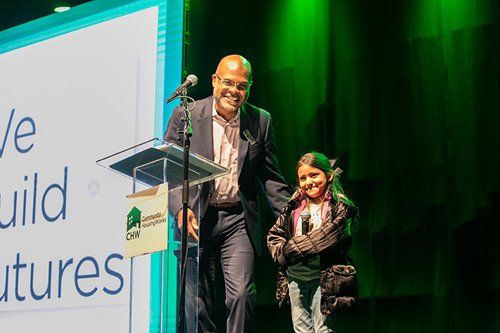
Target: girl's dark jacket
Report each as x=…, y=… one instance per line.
x=332, y=242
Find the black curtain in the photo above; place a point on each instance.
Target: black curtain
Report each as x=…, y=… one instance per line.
x=407, y=96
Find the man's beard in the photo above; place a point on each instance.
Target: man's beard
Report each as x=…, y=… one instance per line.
x=221, y=101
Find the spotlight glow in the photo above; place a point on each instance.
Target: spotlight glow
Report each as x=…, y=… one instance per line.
x=61, y=9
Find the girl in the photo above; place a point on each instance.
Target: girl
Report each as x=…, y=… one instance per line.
x=311, y=241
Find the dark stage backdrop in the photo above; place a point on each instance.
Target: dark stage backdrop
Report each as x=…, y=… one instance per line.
x=407, y=95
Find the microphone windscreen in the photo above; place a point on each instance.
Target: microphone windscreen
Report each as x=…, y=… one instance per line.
x=305, y=215
x=193, y=79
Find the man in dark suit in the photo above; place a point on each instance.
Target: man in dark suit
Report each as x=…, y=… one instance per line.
x=235, y=134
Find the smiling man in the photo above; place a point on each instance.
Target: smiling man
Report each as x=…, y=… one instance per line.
x=237, y=135
x=231, y=83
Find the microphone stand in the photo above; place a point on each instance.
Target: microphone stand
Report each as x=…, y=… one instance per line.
x=186, y=132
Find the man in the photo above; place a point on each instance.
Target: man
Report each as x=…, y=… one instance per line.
x=237, y=135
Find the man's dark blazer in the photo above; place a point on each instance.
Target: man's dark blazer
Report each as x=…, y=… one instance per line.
x=257, y=162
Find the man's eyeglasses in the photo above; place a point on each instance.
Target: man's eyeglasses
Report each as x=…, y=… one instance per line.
x=241, y=86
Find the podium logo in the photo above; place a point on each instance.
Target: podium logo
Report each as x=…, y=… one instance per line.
x=133, y=220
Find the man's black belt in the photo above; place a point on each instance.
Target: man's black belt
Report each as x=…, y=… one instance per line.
x=224, y=205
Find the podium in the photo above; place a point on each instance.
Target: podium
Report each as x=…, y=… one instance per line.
x=155, y=163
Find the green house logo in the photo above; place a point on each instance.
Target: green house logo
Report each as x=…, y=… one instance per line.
x=134, y=218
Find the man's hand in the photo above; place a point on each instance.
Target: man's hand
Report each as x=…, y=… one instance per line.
x=192, y=224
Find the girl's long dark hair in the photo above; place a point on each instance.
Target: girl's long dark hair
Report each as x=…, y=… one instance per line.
x=320, y=161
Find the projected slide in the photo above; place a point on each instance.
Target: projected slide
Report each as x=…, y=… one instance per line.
x=64, y=103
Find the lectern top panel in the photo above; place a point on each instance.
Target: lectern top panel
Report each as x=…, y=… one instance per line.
x=155, y=162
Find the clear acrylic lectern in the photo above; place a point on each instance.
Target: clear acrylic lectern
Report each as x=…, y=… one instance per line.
x=149, y=164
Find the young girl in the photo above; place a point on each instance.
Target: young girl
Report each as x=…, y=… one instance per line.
x=311, y=241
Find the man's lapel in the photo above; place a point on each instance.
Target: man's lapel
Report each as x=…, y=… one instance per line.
x=205, y=127
x=244, y=140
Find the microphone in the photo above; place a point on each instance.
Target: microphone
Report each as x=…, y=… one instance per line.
x=191, y=80
x=305, y=216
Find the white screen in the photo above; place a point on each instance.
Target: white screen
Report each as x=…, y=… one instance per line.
x=65, y=103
